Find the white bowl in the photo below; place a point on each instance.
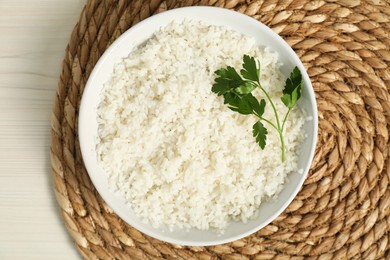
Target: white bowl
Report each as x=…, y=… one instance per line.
x=121, y=48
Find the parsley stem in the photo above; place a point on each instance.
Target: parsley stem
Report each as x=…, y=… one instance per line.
x=282, y=142
x=281, y=132
x=272, y=104
x=285, y=118
x=268, y=121
x=278, y=128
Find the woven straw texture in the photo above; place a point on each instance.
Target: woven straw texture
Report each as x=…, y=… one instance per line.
x=343, y=209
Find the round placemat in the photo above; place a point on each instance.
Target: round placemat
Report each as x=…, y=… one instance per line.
x=343, y=209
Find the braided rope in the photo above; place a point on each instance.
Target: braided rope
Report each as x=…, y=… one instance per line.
x=343, y=209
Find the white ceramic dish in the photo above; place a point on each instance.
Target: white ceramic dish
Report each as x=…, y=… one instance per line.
x=121, y=48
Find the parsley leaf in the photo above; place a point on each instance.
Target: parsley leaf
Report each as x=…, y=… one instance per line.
x=246, y=88
x=293, y=88
x=250, y=69
x=228, y=80
x=245, y=105
x=260, y=133
x=258, y=109
x=240, y=104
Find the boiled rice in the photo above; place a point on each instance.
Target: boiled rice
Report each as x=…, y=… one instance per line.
x=171, y=147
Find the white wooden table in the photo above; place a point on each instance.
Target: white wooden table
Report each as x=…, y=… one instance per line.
x=33, y=37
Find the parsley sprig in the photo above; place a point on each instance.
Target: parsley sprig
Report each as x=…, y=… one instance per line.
x=237, y=92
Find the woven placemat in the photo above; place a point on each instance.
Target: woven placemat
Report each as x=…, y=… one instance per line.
x=343, y=210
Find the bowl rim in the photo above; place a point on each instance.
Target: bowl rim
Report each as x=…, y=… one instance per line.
x=88, y=88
